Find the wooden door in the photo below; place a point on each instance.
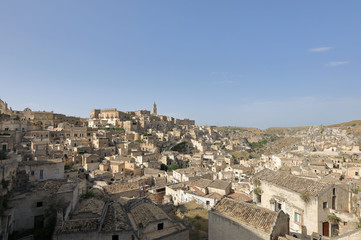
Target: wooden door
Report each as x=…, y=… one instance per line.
x=326, y=229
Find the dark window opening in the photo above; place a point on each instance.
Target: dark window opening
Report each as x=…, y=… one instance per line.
x=39, y=204
x=115, y=237
x=160, y=226
x=324, y=205
x=278, y=206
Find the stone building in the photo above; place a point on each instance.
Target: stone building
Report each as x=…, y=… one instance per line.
x=43, y=170
x=151, y=222
x=234, y=220
x=4, y=108
x=308, y=202
x=119, y=219
x=154, y=112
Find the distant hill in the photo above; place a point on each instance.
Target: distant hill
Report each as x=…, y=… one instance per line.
x=240, y=129
x=354, y=123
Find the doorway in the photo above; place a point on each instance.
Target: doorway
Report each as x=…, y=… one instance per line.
x=326, y=229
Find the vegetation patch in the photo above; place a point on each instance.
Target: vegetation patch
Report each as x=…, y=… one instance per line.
x=87, y=195
x=173, y=166
x=195, y=217
x=257, y=191
x=333, y=219
x=181, y=147
x=305, y=197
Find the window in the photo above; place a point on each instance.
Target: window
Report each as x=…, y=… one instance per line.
x=324, y=205
x=334, y=191
x=6, y=129
x=160, y=226
x=39, y=204
x=115, y=237
x=41, y=174
x=356, y=173
x=298, y=218
x=278, y=206
x=32, y=173
x=57, y=171
x=207, y=202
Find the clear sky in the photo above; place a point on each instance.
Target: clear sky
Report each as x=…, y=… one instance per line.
x=240, y=63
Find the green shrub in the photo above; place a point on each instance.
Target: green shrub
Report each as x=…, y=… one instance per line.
x=256, y=182
x=87, y=195
x=305, y=197
x=333, y=219
x=257, y=191
x=173, y=166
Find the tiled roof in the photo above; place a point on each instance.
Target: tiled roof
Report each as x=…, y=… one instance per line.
x=219, y=184
x=240, y=197
x=91, y=205
x=121, y=187
x=145, y=212
x=116, y=219
x=201, y=183
x=214, y=195
x=81, y=225
x=247, y=214
x=291, y=182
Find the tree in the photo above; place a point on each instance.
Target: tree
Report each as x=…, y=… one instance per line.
x=173, y=166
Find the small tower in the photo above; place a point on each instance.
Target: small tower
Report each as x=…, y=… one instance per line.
x=154, y=109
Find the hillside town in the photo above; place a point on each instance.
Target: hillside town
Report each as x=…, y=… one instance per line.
x=140, y=175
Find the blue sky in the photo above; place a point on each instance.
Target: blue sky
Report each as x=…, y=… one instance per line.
x=239, y=63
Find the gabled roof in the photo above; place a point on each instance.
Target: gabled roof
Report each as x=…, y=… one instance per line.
x=121, y=187
x=202, y=183
x=219, y=184
x=247, y=214
x=291, y=182
x=144, y=211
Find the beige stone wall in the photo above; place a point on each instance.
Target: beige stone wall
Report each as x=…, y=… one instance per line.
x=51, y=170
x=341, y=203
x=292, y=203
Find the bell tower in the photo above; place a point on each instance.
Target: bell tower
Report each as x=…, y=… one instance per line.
x=154, y=109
